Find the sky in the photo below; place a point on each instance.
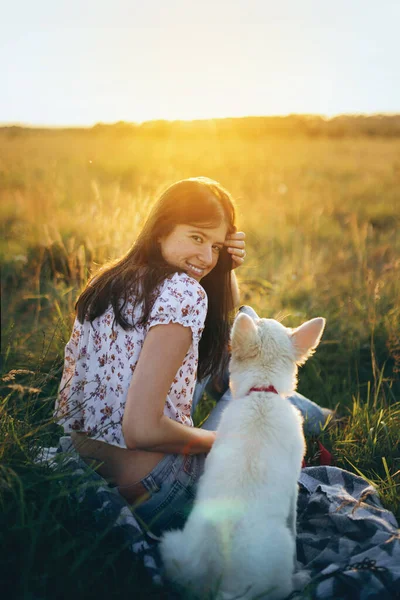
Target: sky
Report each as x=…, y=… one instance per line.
x=80, y=62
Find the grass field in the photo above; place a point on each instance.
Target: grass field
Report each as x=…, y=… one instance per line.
x=321, y=216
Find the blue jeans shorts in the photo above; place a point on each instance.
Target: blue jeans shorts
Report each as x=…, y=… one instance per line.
x=172, y=488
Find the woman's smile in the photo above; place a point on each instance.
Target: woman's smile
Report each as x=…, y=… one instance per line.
x=196, y=270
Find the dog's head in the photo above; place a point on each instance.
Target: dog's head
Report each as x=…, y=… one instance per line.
x=266, y=352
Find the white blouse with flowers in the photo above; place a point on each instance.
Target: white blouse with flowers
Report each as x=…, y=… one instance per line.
x=100, y=359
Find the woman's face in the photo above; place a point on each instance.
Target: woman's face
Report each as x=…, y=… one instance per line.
x=193, y=248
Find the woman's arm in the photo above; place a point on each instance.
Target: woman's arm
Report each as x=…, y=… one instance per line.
x=144, y=425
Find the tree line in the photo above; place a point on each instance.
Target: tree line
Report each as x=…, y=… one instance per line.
x=385, y=125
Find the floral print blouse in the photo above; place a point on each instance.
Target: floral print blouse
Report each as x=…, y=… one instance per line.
x=100, y=359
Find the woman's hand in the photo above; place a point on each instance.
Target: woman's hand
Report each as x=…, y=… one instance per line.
x=236, y=247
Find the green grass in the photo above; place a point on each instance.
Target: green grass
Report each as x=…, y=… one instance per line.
x=321, y=217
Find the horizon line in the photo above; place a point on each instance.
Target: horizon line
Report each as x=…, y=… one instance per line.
x=160, y=119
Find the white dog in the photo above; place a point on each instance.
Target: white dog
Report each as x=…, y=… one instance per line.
x=240, y=538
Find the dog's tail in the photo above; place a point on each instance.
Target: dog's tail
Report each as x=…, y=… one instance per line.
x=177, y=557
x=186, y=560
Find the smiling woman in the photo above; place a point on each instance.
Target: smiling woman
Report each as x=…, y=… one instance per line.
x=202, y=205
x=145, y=329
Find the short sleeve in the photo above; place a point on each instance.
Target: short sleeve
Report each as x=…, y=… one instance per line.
x=70, y=360
x=181, y=299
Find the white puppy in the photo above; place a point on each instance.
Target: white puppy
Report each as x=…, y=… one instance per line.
x=240, y=538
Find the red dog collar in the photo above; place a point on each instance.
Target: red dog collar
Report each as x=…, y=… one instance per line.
x=270, y=388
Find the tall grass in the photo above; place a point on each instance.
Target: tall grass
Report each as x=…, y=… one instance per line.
x=321, y=218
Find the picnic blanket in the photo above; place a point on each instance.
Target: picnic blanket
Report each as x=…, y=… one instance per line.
x=347, y=543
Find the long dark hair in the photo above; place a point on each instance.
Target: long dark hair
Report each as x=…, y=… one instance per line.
x=196, y=201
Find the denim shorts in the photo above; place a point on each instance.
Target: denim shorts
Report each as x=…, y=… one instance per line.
x=172, y=488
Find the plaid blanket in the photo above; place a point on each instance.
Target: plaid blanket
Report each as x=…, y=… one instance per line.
x=347, y=542
x=348, y=545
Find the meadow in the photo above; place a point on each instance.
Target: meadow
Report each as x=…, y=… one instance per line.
x=321, y=216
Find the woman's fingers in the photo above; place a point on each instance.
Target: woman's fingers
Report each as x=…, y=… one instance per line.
x=236, y=241
x=236, y=245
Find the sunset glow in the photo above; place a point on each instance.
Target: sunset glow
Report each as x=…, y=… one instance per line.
x=63, y=64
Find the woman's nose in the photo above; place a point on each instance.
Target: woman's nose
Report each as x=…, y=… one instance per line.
x=207, y=255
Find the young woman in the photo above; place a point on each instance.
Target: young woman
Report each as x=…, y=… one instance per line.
x=147, y=326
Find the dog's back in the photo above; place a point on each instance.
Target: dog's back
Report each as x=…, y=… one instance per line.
x=261, y=435
x=237, y=532
x=239, y=540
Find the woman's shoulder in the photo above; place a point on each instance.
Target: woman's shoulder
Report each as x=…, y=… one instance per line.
x=180, y=299
x=184, y=285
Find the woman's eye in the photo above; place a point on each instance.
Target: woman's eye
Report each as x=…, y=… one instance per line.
x=197, y=238
x=217, y=249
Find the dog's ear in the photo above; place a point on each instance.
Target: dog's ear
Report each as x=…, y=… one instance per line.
x=306, y=338
x=244, y=338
